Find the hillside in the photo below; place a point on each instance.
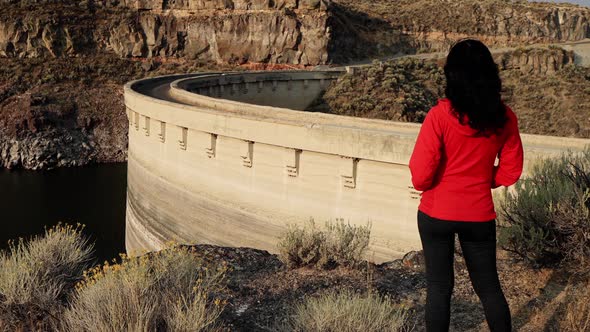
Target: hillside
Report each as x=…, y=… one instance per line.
x=549, y=94
x=380, y=28
x=63, y=63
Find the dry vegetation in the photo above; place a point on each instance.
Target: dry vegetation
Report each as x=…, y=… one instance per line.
x=546, y=103
x=402, y=90
x=37, y=278
x=190, y=289
x=346, y=311
x=171, y=290
x=44, y=286
x=577, y=313
x=546, y=219
x=556, y=104
x=338, y=244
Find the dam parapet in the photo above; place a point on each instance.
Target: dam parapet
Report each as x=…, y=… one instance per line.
x=232, y=159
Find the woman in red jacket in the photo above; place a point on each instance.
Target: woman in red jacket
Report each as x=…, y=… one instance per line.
x=453, y=164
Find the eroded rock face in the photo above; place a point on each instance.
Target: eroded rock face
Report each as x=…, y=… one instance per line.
x=44, y=129
x=180, y=4
x=499, y=24
x=306, y=32
x=274, y=36
x=378, y=28
x=536, y=60
x=42, y=152
x=250, y=37
x=300, y=32
x=37, y=37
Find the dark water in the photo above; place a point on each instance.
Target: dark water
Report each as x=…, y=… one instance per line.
x=93, y=195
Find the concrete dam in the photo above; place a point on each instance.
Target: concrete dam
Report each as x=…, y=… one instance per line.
x=232, y=159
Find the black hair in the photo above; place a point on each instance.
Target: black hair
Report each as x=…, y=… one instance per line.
x=474, y=87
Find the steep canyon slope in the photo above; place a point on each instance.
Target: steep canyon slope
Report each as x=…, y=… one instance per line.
x=550, y=95
x=63, y=62
x=433, y=25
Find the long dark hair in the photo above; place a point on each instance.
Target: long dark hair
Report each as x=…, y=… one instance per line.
x=473, y=87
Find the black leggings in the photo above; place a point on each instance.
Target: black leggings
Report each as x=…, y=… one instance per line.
x=478, y=242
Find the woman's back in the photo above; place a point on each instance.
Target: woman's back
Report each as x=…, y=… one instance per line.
x=454, y=165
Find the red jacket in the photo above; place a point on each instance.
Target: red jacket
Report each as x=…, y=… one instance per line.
x=454, y=168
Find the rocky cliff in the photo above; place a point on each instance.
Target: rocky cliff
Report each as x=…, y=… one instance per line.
x=63, y=62
x=548, y=93
x=378, y=27
x=302, y=32
x=222, y=31
x=546, y=61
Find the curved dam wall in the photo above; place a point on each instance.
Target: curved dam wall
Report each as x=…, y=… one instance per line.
x=207, y=167
x=581, y=51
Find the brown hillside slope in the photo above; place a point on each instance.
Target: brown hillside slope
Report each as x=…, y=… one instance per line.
x=383, y=27
x=549, y=94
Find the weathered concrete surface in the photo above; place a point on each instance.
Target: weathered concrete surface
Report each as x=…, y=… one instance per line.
x=209, y=170
x=581, y=52
x=293, y=90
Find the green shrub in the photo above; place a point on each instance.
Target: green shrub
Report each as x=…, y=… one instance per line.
x=346, y=312
x=339, y=244
x=546, y=219
x=172, y=290
x=38, y=276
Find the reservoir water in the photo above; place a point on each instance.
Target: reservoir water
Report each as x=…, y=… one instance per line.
x=91, y=195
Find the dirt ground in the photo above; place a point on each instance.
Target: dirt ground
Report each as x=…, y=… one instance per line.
x=261, y=291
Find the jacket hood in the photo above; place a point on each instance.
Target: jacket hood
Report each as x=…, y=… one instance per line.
x=449, y=115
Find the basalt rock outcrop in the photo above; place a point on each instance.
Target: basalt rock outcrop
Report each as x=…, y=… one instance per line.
x=378, y=27
x=178, y=4
x=302, y=32
x=536, y=60
x=54, y=114
x=223, y=31
x=88, y=123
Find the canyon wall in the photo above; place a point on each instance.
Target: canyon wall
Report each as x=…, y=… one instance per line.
x=301, y=32
x=380, y=28
x=63, y=62
x=536, y=60
x=177, y=4
x=222, y=31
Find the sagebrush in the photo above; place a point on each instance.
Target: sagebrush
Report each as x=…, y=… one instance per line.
x=171, y=290
x=38, y=276
x=546, y=218
x=347, y=311
x=337, y=244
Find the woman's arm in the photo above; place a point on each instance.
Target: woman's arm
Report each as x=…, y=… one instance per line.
x=509, y=168
x=427, y=153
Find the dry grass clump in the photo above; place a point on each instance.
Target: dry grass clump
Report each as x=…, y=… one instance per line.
x=577, y=313
x=338, y=244
x=172, y=290
x=38, y=276
x=546, y=220
x=347, y=312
